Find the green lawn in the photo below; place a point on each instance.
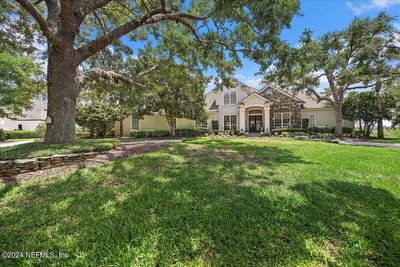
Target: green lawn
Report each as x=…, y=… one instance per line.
x=40, y=149
x=214, y=201
x=392, y=136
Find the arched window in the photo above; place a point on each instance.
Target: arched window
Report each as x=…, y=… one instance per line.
x=282, y=117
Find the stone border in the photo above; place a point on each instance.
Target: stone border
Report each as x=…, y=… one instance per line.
x=10, y=168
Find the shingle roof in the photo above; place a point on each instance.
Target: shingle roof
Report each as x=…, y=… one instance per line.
x=213, y=106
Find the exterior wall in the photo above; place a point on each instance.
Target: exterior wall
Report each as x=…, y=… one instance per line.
x=10, y=124
x=231, y=109
x=152, y=122
x=281, y=100
x=324, y=117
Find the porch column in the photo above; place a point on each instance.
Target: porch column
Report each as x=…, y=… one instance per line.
x=266, y=119
x=242, y=119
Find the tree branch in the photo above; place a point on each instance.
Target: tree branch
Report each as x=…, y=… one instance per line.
x=38, y=16
x=96, y=73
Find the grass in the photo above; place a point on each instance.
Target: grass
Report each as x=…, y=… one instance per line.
x=40, y=149
x=214, y=201
x=392, y=136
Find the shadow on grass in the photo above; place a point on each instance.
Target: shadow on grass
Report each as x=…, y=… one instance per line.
x=188, y=205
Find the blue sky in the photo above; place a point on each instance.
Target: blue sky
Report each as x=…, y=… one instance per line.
x=322, y=16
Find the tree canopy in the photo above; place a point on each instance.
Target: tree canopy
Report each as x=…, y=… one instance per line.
x=358, y=57
x=203, y=33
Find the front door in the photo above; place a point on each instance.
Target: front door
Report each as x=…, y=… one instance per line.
x=255, y=123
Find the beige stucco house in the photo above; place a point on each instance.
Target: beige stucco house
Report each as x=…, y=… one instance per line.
x=247, y=109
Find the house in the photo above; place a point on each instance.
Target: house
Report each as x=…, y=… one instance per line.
x=29, y=120
x=247, y=109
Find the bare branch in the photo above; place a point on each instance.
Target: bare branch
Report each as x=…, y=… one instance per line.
x=102, y=26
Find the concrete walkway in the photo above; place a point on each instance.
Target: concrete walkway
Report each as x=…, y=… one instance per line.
x=14, y=143
x=362, y=143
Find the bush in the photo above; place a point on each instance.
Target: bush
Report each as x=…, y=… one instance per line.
x=23, y=134
x=214, y=125
x=347, y=130
x=2, y=135
x=149, y=133
x=41, y=128
x=226, y=132
x=82, y=134
x=304, y=123
x=191, y=132
x=289, y=130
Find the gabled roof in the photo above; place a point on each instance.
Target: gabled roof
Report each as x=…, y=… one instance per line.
x=281, y=91
x=214, y=106
x=252, y=95
x=243, y=85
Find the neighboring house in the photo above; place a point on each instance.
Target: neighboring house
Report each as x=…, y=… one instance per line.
x=247, y=109
x=29, y=119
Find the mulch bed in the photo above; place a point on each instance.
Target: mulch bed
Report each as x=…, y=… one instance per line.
x=124, y=150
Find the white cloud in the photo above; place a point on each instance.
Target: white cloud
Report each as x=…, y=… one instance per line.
x=397, y=26
x=358, y=9
x=250, y=80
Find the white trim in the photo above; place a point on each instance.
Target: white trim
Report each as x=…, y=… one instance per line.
x=251, y=95
x=279, y=90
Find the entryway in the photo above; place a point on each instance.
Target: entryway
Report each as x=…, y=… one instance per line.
x=255, y=123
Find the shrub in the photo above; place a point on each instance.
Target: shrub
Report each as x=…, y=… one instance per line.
x=41, y=128
x=23, y=134
x=2, y=135
x=347, y=130
x=289, y=130
x=214, y=125
x=191, y=132
x=226, y=132
x=304, y=123
x=82, y=134
x=149, y=133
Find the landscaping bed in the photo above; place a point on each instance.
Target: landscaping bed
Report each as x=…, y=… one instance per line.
x=40, y=149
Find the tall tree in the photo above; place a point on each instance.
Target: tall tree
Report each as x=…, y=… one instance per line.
x=361, y=108
x=176, y=93
x=206, y=28
x=358, y=57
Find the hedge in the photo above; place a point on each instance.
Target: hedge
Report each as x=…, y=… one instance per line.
x=23, y=134
x=184, y=132
x=225, y=132
x=312, y=130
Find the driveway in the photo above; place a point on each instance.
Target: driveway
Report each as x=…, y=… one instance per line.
x=14, y=143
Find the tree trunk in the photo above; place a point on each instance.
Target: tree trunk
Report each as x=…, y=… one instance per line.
x=339, y=121
x=62, y=93
x=172, y=125
x=378, y=88
x=380, y=129
x=121, y=128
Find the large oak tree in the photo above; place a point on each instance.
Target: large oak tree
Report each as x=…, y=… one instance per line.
x=364, y=55
x=76, y=30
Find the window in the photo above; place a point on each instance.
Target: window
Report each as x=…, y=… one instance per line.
x=233, y=97
x=230, y=122
x=20, y=127
x=230, y=98
x=268, y=94
x=233, y=122
x=312, y=118
x=226, y=99
x=201, y=124
x=135, y=122
x=282, y=118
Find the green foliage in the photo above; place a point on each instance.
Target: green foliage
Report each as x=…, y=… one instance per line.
x=41, y=127
x=19, y=83
x=310, y=130
x=215, y=125
x=226, y=132
x=150, y=133
x=304, y=123
x=2, y=135
x=40, y=149
x=215, y=202
x=358, y=57
x=24, y=134
x=182, y=132
x=177, y=93
x=98, y=117
x=362, y=108
x=191, y=132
